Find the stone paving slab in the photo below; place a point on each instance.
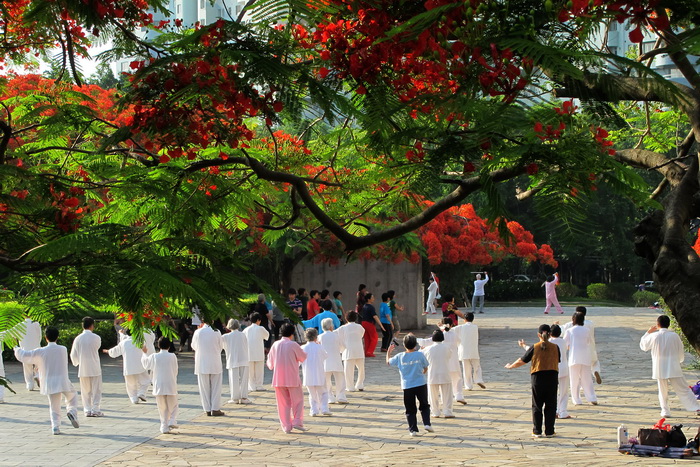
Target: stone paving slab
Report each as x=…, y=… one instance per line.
x=493, y=429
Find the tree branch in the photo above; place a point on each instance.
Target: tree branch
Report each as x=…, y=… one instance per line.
x=650, y=160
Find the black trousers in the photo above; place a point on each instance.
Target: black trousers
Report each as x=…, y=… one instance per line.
x=544, y=400
x=409, y=401
x=278, y=325
x=386, y=336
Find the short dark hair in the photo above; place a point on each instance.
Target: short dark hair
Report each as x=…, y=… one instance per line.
x=51, y=334
x=391, y=294
x=337, y=294
x=556, y=330
x=469, y=316
x=438, y=336
x=163, y=343
x=663, y=321
x=352, y=316
x=368, y=295
x=581, y=309
x=287, y=330
x=360, y=287
x=312, y=292
x=578, y=318
x=410, y=341
x=447, y=321
x=255, y=317
x=327, y=305
x=550, y=278
x=448, y=297
x=385, y=297
x=88, y=322
x=301, y=291
x=292, y=291
x=325, y=293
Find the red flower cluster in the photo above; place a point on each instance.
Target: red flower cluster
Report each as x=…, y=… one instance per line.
x=600, y=135
x=549, y=133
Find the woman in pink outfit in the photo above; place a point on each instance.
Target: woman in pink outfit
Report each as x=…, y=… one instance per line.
x=551, y=293
x=284, y=359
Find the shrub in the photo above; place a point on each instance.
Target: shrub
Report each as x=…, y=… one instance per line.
x=645, y=298
x=620, y=291
x=568, y=290
x=512, y=290
x=596, y=291
x=105, y=329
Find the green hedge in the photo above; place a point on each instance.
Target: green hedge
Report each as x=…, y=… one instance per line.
x=645, y=298
x=617, y=291
x=568, y=290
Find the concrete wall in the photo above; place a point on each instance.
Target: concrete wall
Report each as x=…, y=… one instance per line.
x=404, y=278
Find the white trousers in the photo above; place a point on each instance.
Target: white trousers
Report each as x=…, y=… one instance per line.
x=563, y=397
x=339, y=386
x=437, y=391
x=471, y=368
x=91, y=393
x=457, y=385
x=210, y=390
x=580, y=375
x=30, y=372
x=167, y=409
x=318, y=399
x=256, y=375
x=680, y=386
x=136, y=385
x=430, y=305
x=238, y=382
x=350, y=366
x=55, y=406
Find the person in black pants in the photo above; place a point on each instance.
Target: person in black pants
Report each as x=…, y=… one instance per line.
x=544, y=374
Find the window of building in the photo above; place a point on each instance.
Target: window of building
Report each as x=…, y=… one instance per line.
x=613, y=25
x=201, y=3
x=178, y=9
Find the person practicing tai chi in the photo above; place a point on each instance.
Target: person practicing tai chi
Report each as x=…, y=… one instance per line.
x=439, y=381
x=469, y=352
x=413, y=367
x=333, y=364
x=284, y=359
x=237, y=361
x=207, y=345
x=351, y=335
x=85, y=354
x=135, y=375
x=52, y=364
x=30, y=340
x=595, y=363
x=479, y=294
x=667, y=354
x=452, y=341
x=314, y=374
x=433, y=291
x=163, y=368
x=544, y=375
x=256, y=335
x=578, y=339
x=550, y=290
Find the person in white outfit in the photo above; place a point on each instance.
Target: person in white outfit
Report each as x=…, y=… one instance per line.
x=667, y=354
x=469, y=352
x=595, y=363
x=163, y=368
x=351, y=335
x=256, y=335
x=433, y=289
x=207, y=344
x=85, y=354
x=314, y=374
x=237, y=361
x=439, y=381
x=452, y=341
x=578, y=338
x=30, y=340
x=333, y=365
x=135, y=375
x=52, y=363
x=479, y=293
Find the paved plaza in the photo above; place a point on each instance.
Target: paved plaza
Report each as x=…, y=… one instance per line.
x=493, y=429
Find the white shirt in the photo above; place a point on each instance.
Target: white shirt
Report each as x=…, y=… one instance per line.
x=130, y=354
x=312, y=367
x=468, y=340
x=236, y=347
x=52, y=361
x=479, y=286
x=31, y=338
x=438, y=356
x=149, y=340
x=330, y=341
x=163, y=366
x=578, y=339
x=207, y=345
x=432, y=289
x=564, y=359
x=667, y=353
x=256, y=335
x=351, y=338
x=85, y=354
x=588, y=324
x=452, y=341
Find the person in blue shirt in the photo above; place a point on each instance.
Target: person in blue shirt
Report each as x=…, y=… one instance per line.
x=327, y=312
x=413, y=367
x=387, y=322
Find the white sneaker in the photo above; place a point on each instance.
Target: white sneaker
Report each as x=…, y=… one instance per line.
x=414, y=433
x=73, y=420
x=245, y=401
x=429, y=429
x=232, y=401
x=56, y=430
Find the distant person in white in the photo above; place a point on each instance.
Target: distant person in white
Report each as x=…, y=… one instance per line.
x=433, y=290
x=351, y=335
x=207, y=345
x=315, y=374
x=136, y=377
x=163, y=368
x=30, y=340
x=578, y=338
x=237, y=361
x=469, y=352
x=256, y=335
x=479, y=293
x=333, y=364
x=52, y=362
x=85, y=354
x=667, y=354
